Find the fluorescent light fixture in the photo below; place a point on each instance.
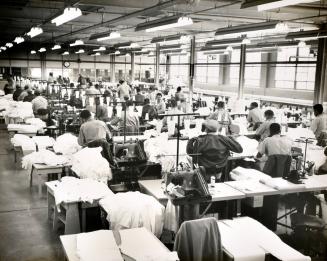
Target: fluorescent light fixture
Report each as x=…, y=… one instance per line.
x=76, y=43
x=127, y=45
x=96, y=54
x=9, y=45
x=42, y=50
x=19, y=40
x=117, y=52
x=70, y=13
x=35, y=31
x=243, y=29
x=100, y=49
x=246, y=41
x=225, y=42
x=268, y=5
x=134, y=45
x=56, y=47
x=80, y=51
x=164, y=23
x=307, y=35
x=170, y=47
x=65, y=53
x=168, y=38
x=33, y=52
x=302, y=44
x=3, y=48
x=106, y=36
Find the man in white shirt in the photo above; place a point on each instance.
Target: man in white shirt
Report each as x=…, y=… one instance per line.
x=123, y=90
x=275, y=144
x=319, y=124
x=39, y=102
x=255, y=115
x=160, y=104
x=263, y=131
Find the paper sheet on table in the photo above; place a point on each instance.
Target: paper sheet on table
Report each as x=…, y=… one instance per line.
x=141, y=245
x=97, y=245
x=266, y=239
x=281, y=184
x=241, y=173
x=238, y=246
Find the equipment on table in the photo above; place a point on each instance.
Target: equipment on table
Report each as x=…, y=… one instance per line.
x=129, y=153
x=193, y=185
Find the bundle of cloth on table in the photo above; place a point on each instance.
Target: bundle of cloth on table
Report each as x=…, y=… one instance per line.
x=43, y=156
x=134, y=209
x=66, y=144
x=23, y=141
x=21, y=110
x=162, y=150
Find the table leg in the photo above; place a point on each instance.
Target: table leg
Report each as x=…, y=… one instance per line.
x=72, y=225
x=40, y=185
x=83, y=219
x=31, y=176
x=51, y=205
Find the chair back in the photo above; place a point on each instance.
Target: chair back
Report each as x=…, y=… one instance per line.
x=278, y=165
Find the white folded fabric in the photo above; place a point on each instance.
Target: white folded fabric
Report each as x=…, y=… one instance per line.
x=281, y=184
x=66, y=144
x=43, y=141
x=24, y=141
x=241, y=173
x=43, y=157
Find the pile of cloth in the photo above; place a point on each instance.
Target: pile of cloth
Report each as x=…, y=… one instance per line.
x=36, y=122
x=163, y=151
x=43, y=157
x=89, y=163
x=22, y=110
x=71, y=189
x=250, y=146
x=22, y=128
x=43, y=142
x=66, y=144
x=23, y=141
x=134, y=209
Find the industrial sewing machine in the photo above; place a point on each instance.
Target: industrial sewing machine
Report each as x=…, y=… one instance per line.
x=192, y=185
x=129, y=153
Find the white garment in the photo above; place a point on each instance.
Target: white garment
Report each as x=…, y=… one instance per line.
x=319, y=124
x=43, y=157
x=89, y=163
x=43, y=142
x=249, y=146
x=19, y=109
x=240, y=173
x=275, y=145
x=71, y=189
x=134, y=209
x=36, y=122
x=22, y=128
x=66, y=144
x=24, y=141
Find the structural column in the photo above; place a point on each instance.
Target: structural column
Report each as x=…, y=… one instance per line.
x=240, y=90
x=43, y=66
x=168, y=62
x=320, y=91
x=157, y=67
x=192, y=66
x=112, y=68
x=132, y=66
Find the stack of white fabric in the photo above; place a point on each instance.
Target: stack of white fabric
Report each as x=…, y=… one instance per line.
x=250, y=146
x=22, y=128
x=240, y=173
x=282, y=184
x=43, y=157
x=66, y=144
x=71, y=189
x=43, y=142
x=134, y=209
x=36, y=122
x=20, y=109
x=23, y=141
x=157, y=148
x=89, y=163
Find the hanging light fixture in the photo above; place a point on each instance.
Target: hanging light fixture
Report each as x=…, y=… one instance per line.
x=117, y=52
x=70, y=13
x=3, y=48
x=33, y=52
x=42, y=49
x=106, y=36
x=56, y=47
x=9, y=45
x=65, y=53
x=35, y=31
x=127, y=55
x=19, y=40
x=273, y=4
x=76, y=43
x=96, y=54
x=101, y=49
x=229, y=48
x=80, y=51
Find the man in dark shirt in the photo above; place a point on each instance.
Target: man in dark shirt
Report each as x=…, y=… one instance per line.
x=139, y=98
x=16, y=93
x=213, y=149
x=30, y=96
x=148, y=109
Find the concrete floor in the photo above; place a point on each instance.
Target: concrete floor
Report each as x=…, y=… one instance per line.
x=25, y=233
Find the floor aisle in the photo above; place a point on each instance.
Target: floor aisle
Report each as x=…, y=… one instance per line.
x=25, y=234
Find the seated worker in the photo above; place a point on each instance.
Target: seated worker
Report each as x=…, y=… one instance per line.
x=92, y=129
x=23, y=93
x=148, y=109
x=91, y=90
x=43, y=114
x=179, y=95
x=8, y=89
x=275, y=144
x=255, y=116
x=39, y=102
x=214, y=149
x=160, y=105
x=319, y=124
x=263, y=131
x=74, y=101
x=123, y=89
x=132, y=121
x=139, y=98
x=30, y=96
x=100, y=111
x=17, y=92
x=152, y=95
x=173, y=110
x=221, y=114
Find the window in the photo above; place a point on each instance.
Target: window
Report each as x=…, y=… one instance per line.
x=235, y=68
